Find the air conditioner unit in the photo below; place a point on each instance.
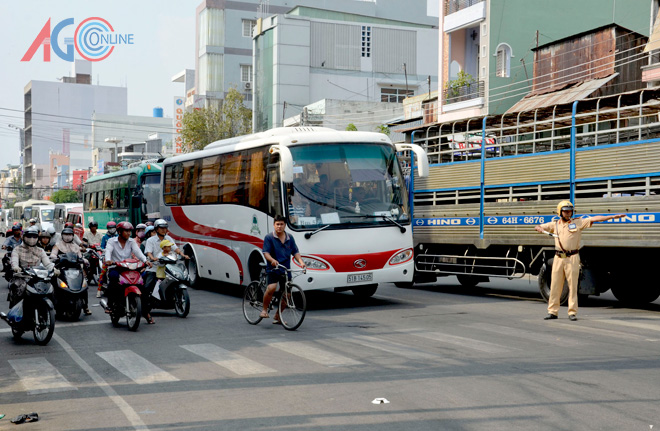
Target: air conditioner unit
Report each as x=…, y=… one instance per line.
x=247, y=85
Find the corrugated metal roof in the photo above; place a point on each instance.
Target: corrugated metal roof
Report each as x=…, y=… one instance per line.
x=567, y=95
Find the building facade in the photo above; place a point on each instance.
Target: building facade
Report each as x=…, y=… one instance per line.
x=58, y=118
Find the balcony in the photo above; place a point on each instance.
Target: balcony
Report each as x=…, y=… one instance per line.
x=463, y=13
x=464, y=96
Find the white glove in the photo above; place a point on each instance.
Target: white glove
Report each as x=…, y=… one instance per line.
x=16, y=269
x=56, y=272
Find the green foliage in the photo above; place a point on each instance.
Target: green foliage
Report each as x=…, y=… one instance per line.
x=454, y=86
x=65, y=196
x=351, y=127
x=206, y=125
x=383, y=129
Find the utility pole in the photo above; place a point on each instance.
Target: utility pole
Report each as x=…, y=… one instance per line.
x=405, y=72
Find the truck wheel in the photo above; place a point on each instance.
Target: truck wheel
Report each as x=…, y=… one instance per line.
x=544, y=279
x=467, y=280
x=641, y=295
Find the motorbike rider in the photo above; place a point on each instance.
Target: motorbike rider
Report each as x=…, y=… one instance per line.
x=67, y=245
x=44, y=241
x=26, y=255
x=153, y=251
x=139, y=232
x=33, y=222
x=14, y=240
x=93, y=236
x=120, y=248
x=54, y=236
x=112, y=232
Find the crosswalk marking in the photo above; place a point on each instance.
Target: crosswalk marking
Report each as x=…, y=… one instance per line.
x=521, y=333
x=38, y=376
x=469, y=343
x=314, y=354
x=229, y=360
x=136, y=368
x=638, y=325
x=385, y=346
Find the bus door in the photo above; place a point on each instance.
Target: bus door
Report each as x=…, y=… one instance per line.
x=274, y=192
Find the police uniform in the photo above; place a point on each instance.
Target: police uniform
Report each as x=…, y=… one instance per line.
x=566, y=265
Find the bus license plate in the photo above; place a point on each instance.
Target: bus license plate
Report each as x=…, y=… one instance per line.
x=358, y=278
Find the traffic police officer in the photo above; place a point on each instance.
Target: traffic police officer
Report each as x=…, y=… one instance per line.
x=566, y=265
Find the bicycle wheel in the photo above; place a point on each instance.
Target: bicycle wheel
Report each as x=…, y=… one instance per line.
x=293, y=307
x=253, y=303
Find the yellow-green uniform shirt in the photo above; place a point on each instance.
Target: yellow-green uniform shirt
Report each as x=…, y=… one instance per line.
x=569, y=232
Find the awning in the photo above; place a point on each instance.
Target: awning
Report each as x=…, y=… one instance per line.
x=654, y=40
x=567, y=95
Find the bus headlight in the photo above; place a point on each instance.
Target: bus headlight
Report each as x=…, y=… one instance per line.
x=314, y=263
x=401, y=257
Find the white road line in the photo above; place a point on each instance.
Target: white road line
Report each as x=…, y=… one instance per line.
x=385, y=346
x=312, y=353
x=481, y=346
x=638, y=325
x=233, y=362
x=136, y=368
x=126, y=409
x=38, y=376
x=528, y=335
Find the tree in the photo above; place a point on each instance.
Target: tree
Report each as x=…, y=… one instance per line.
x=383, y=129
x=65, y=196
x=351, y=127
x=206, y=125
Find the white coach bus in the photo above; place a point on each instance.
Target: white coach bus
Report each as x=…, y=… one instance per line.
x=343, y=195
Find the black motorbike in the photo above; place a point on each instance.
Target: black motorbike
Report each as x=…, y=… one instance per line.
x=6, y=263
x=32, y=310
x=93, y=253
x=70, y=288
x=172, y=291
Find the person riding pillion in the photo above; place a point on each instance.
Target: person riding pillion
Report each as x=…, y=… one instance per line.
x=111, y=233
x=566, y=264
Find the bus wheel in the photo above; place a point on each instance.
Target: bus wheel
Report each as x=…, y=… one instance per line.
x=365, y=291
x=192, y=268
x=544, y=278
x=467, y=280
x=404, y=284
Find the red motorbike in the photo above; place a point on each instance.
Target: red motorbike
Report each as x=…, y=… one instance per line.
x=124, y=298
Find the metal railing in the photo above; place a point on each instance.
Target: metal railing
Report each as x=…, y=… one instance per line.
x=452, y=6
x=465, y=92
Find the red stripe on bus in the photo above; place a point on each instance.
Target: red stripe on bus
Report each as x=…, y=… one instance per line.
x=188, y=225
x=223, y=248
x=346, y=263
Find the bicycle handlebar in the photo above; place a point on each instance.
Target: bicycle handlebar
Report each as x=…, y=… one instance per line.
x=279, y=265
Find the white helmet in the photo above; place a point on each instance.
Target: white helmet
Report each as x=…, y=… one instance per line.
x=160, y=223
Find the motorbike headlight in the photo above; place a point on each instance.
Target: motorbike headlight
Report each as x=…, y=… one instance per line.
x=41, y=273
x=312, y=263
x=401, y=257
x=63, y=285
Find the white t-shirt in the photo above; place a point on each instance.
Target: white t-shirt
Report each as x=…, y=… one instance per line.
x=153, y=246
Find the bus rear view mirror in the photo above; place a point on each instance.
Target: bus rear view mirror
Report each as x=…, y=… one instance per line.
x=136, y=201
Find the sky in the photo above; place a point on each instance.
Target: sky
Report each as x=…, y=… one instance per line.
x=164, y=44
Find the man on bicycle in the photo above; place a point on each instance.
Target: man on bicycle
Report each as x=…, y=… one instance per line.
x=279, y=246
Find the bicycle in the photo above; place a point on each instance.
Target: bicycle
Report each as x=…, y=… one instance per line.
x=292, y=309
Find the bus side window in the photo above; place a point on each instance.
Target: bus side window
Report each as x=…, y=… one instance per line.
x=274, y=191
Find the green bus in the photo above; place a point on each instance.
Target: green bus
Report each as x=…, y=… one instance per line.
x=131, y=194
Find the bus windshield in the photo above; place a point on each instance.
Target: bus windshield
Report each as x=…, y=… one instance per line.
x=47, y=215
x=346, y=184
x=151, y=195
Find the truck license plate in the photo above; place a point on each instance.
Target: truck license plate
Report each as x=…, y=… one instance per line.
x=358, y=278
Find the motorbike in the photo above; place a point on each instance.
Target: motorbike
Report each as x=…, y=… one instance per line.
x=70, y=288
x=6, y=263
x=34, y=310
x=172, y=291
x=93, y=255
x=124, y=298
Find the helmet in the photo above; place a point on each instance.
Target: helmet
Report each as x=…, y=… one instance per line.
x=148, y=229
x=111, y=225
x=93, y=224
x=125, y=226
x=149, y=223
x=79, y=225
x=44, y=234
x=565, y=206
x=67, y=234
x=16, y=227
x=68, y=224
x=51, y=230
x=31, y=236
x=160, y=223
x=33, y=220
x=141, y=226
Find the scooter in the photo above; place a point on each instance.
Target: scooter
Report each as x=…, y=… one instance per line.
x=70, y=287
x=93, y=255
x=124, y=298
x=6, y=263
x=34, y=311
x=172, y=291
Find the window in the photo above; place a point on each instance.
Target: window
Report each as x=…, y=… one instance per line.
x=504, y=54
x=246, y=73
x=248, y=26
x=366, y=41
x=208, y=185
x=395, y=95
